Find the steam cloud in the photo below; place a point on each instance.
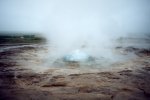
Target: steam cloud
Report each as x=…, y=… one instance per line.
x=73, y=24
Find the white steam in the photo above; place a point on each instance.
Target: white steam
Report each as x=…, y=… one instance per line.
x=87, y=25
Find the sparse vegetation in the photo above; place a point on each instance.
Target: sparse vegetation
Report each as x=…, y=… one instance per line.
x=21, y=38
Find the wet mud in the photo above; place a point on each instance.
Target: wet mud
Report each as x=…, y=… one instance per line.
x=129, y=80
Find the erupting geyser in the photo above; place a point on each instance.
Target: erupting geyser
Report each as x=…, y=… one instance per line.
x=77, y=56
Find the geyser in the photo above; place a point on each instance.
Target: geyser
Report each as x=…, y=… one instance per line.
x=77, y=56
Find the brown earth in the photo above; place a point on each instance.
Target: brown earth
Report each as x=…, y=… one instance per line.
x=126, y=81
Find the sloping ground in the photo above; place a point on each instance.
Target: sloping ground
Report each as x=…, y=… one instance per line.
x=124, y=81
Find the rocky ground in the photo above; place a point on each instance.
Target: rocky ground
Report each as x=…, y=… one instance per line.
x=129, y=80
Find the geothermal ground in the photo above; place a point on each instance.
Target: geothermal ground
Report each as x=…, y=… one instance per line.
x=25, y=76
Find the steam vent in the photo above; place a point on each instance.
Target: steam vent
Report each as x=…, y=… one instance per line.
x=77, y=56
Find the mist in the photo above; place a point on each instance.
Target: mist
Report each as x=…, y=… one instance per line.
x=87, y=25
x=74, y=49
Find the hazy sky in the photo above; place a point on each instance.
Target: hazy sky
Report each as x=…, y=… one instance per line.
x=80, y=16
x=69, y=24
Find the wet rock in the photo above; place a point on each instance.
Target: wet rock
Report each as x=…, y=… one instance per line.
x=56, y=81
x=144, y=52
x=131, y=49
x=84, y=86
x=101, y=90
x=7, y=64
x=75, y=75
x=145, y=87
x=7, y=75
x=64, y=90
x=129, y=96
x=109, y=75
x=125, y=72
x=55, y=84
x=146, y=68
x=118, y=47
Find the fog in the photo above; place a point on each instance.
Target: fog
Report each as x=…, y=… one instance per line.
x=87, y=25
